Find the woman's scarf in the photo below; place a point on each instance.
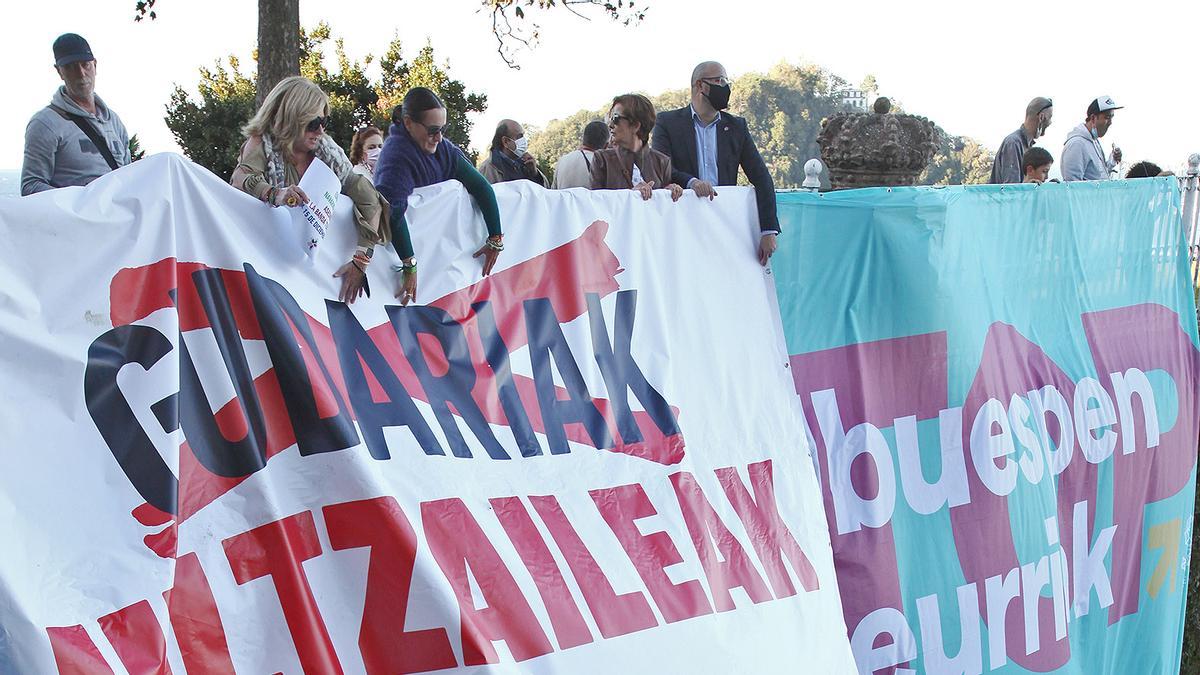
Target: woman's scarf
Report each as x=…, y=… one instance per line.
x=327, y=151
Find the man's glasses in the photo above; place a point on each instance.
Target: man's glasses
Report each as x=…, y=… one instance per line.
x=435, y=129
x=719, y=81
x=317, y=124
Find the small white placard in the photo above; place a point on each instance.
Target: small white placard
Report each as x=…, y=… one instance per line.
x=314, y=217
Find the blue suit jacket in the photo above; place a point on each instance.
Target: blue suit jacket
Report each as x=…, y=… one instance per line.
x=675, y=136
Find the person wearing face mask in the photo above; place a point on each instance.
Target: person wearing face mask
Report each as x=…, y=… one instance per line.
x=707, y=145
x=1006, y=167
x=77, y=138
x=510, y=158
x=365, y=149
x=1083, y=156
x=283, y=139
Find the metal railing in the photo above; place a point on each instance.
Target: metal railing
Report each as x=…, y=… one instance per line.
x=1189, y=185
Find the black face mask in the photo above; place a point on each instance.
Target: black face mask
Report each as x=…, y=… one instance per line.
x=718, y=95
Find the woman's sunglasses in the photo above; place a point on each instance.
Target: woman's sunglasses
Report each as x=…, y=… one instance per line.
x=434, y=129
x=317, y=124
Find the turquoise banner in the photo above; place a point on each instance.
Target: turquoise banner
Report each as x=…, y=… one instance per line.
x=1000, y=386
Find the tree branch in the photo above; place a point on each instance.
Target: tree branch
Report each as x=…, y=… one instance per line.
x=510, y=38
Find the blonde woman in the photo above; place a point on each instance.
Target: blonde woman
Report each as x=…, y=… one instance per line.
x=282, y=140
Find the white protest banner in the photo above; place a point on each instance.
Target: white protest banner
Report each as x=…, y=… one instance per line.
x=314, y=217
x=590, y=461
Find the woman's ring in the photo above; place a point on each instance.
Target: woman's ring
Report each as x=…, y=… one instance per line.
x=292, y=201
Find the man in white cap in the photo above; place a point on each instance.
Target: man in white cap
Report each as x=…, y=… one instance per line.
x=1083, y=157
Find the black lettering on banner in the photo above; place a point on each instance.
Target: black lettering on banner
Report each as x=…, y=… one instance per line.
x=622, y=374
x=453, y=387
x=546, y=341
x=221, y=456
x=356, y=350
x=125, y=437
x=496, y=353
x=278, y=314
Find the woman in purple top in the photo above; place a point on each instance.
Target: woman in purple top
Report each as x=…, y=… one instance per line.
x=415, y=154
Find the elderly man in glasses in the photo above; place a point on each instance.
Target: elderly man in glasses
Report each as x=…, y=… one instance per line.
x=77, y=138
x=707, y=145
x=1007, y=167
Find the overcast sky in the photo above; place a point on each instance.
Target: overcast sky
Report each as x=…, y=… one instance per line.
x=971, y=67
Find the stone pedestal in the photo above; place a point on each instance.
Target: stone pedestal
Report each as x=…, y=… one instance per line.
x=876, y=149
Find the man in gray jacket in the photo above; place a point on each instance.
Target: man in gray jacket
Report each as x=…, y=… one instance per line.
x=1007, y=166
x=77, y=138
x=1083, y=157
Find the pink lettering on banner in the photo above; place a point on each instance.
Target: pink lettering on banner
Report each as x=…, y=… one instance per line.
x=386, y=646
x=1023, y=417
x=459, y=544
x=615, y=614
x=651, y=554
x=569, y=626
x=726, y=565
x=196, y=621
x=75, y=653
x=277, y=551
x=1143, y=337
x=876, y=382
x=138, y=639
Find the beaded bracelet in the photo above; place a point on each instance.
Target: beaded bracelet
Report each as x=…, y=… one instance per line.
x=494, y=244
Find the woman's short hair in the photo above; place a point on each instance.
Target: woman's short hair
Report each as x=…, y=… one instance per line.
x=1034, y=158
x=416, y=103
x=287, y=110
x=360, y=139
x=638, y=109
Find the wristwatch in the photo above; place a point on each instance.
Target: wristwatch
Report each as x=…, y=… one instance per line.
x=412, y=262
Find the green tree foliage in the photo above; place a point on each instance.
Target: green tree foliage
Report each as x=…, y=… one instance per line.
x=783, y=109
x=135, y=149
x=209, y=130
x=958, y=161
x=209, y=127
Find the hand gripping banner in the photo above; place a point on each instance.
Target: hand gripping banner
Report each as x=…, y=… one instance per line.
x=590, y=461
x=1001, y=388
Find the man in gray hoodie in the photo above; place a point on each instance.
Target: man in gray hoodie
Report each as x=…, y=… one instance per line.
x=77, y=138
x=1083, y=157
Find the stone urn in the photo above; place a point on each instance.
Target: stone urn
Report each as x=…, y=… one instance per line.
x=876, y=149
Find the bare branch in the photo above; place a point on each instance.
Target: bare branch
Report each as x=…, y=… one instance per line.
x=510, y=38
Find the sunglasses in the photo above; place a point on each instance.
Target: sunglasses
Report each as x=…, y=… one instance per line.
x=434, y=129
x=613, y=120
x=317, y=124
